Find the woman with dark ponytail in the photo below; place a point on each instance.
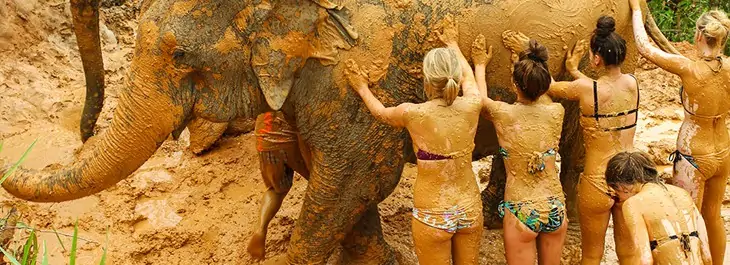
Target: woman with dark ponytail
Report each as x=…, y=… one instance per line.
x=528, y=132
x=702, y=158
x=447, y=219
x=609, y=107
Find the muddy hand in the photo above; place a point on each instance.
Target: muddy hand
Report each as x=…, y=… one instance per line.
x=479, y=54
x=355, y=77
x=575, y=55
x=515, y=41
x=449, y=34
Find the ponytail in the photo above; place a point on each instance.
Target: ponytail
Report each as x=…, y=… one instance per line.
x=451, y=91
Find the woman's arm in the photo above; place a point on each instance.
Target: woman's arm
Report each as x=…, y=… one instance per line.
x=394, y=116
x=570, y=90
x=676, y=64
x=481, y=59
x=637, y=229
x=449, y=36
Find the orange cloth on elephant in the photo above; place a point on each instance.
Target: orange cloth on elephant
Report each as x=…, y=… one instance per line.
x=273, y=132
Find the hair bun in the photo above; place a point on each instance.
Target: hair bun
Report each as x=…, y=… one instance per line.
x=537, y=52
x=716, y=29
x=605, y=26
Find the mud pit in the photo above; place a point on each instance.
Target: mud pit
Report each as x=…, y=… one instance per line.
x=179, y=208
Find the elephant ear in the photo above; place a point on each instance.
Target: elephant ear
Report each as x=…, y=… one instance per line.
x=277, y=58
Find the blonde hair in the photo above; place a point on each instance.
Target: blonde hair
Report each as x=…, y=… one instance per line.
x=714, y=26
x=442, y=74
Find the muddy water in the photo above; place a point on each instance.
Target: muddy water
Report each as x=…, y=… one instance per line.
x=179, y=208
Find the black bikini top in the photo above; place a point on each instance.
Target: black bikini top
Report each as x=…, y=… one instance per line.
x=681, y=99
x=597, y=116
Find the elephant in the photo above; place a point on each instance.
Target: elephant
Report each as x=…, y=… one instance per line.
x=223, y=61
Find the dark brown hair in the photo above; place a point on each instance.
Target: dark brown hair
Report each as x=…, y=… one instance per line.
x=631, y=168
x=531, y=72
x=606, y=43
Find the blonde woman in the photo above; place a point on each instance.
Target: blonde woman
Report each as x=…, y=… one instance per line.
x=447, y=214
x=702, y=159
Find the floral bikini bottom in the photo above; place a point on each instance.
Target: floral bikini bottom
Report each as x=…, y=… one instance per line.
x=540, y=216
x=450, y=220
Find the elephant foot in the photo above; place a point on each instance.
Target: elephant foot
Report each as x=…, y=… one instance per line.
x=257, y=246
x=365, y=243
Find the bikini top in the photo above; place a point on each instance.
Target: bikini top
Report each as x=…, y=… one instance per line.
x=537, y=159
x=425, y=155
x=684, y=238
x=597, y=116
x=681, y=92
x=681, y=99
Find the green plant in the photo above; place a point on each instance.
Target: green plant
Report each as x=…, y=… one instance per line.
x=676, y=18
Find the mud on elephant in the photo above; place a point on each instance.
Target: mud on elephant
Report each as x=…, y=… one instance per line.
x=227, y=60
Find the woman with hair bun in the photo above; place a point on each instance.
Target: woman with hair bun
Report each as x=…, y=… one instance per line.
x=702, y=158
x=609, y=108
x=447, y=219
x=528, y=131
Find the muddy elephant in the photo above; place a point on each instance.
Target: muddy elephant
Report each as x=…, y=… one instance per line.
x=221, y=61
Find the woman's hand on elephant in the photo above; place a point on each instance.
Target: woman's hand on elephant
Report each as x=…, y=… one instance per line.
x=449, y=34
x=515, y=41
x=479, y=53
x=575, y=55
x=355, y=77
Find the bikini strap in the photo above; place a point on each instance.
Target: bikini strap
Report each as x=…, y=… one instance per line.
x=595, y=100
x=638, y=100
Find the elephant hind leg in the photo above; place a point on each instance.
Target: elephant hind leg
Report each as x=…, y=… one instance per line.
x=365, y=243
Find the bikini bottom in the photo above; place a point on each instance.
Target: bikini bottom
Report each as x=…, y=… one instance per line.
x=599, y=182
x=707, y=164
x=450, y=220
x=541, y=216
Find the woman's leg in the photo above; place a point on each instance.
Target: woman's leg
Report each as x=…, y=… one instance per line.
x=519, y=240
x=711, y=206
x=550, y=245
x=625, y=250
x=466, y=242
x=594, y=210
x=433, y=245
x=689, y=178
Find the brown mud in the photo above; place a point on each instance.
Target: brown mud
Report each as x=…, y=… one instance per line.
x=184, y=209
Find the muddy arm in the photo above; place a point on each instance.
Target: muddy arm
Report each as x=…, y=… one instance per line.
x=676, y=64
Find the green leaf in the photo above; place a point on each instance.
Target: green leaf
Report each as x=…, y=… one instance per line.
x=106, y=245
x=35, y=249
x=22, y=158
x=45, y=254
x=26, y=248
x=10, y=257
x=59, y=239
x=1, y=147
x=72, y=260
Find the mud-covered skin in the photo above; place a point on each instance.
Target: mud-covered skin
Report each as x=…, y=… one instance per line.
x=85, y=15
x=205, y=60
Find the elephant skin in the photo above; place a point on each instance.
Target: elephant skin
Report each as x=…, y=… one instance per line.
x=221, y=61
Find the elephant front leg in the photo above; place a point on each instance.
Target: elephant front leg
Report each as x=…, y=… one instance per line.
x=204, y=133
x=365, y=243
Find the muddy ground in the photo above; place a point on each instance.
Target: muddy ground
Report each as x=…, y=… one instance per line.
x=180, y=208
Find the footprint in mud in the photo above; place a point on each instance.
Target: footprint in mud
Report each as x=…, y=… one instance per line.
x=159, y=214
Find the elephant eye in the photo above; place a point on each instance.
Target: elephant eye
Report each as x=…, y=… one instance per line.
x=177, y=54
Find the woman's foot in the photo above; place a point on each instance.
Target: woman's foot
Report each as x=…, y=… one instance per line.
x=257, y=246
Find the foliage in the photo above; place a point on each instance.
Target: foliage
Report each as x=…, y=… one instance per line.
x=676, y=18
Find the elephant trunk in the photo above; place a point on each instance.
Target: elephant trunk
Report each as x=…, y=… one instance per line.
x=145, y=117
x=655, y=34
x=86, y=28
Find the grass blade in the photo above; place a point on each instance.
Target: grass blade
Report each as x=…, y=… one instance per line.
x=106, y=245
x=10, y=257
x=35, y=248
x=72, y=260
x=59, y=239
x=45, y=254
x=22, y=158
x=1, y=146
x=26, y=248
